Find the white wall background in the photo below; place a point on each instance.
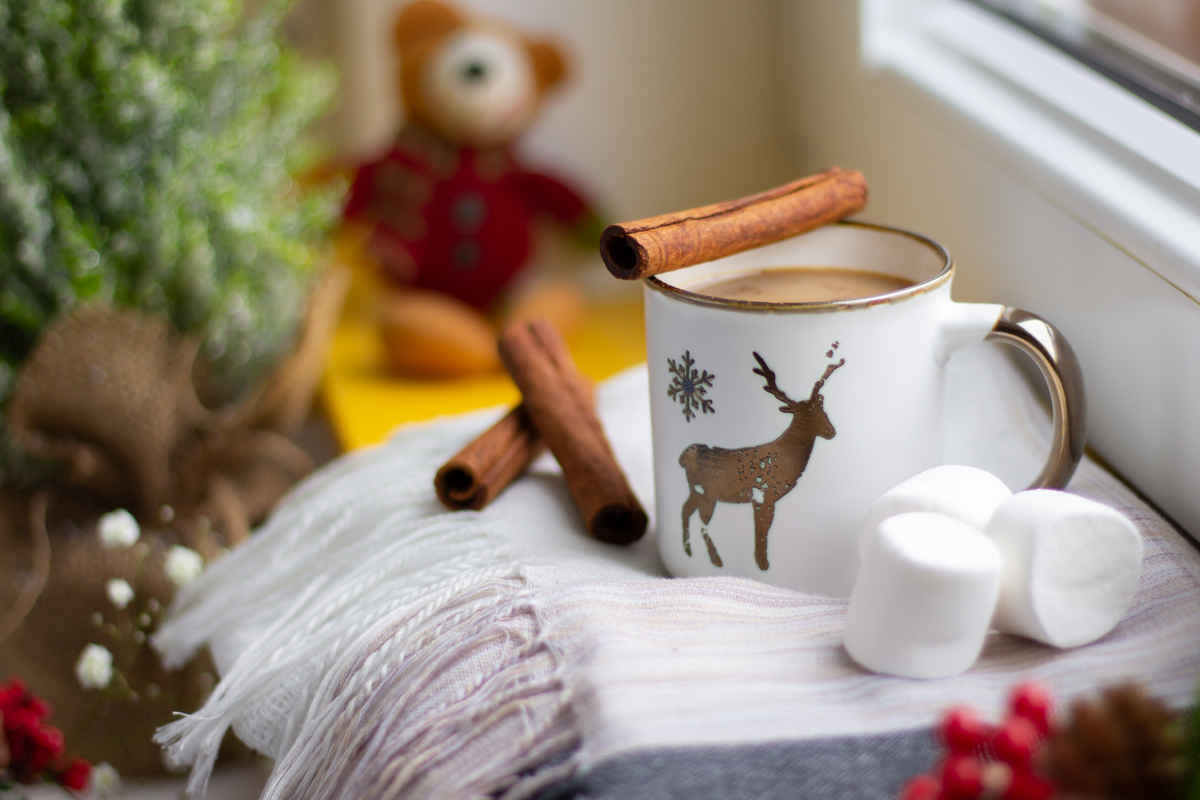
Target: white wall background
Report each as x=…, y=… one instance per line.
x=1017, y=239
x=670, y=104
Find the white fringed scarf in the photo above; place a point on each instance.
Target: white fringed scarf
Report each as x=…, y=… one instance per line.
x=378, y=646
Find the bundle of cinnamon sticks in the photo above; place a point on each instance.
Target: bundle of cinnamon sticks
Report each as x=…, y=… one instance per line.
x=557, y=412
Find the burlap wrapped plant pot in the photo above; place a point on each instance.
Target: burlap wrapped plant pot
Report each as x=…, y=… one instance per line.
x=109, y=396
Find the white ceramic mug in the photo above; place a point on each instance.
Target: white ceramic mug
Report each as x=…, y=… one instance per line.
x=776, y=425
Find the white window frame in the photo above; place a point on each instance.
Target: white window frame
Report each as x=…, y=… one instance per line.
x=1125, y=169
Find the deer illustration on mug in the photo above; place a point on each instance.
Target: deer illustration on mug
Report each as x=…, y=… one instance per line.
x=759, y=475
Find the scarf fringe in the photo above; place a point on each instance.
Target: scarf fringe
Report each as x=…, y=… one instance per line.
x=322, y=627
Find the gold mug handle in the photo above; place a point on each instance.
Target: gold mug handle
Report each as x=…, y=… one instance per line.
x=1042, y=342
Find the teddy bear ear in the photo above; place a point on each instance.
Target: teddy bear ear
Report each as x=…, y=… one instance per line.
x=424, y=19
x=548, y=63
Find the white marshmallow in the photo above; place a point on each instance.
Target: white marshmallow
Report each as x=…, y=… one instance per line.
x=967, y=494
x=924, y=597
x=1071, y=567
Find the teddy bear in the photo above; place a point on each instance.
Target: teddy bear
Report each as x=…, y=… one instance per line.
x=450, y=211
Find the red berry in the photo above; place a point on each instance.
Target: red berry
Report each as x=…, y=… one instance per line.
x=46, y=744
x=962, y=778
x=1032, y=701
x=962, y=730
x=11, y=695
x=76, y=775
x=1016, y=742
x=922, y=787
x=1028, y=785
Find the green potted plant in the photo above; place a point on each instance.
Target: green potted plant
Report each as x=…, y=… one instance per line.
x=157, y=268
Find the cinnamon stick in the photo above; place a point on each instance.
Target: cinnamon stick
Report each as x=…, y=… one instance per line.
x=540, y=365
x=668, y=242
x=485, y=467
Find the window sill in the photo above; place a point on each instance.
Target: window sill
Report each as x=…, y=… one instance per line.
x=1122, y=168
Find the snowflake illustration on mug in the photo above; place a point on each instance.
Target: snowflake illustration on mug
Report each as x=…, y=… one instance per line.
x=689, y=386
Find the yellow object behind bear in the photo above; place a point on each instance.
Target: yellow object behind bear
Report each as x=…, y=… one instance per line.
x=365, y=401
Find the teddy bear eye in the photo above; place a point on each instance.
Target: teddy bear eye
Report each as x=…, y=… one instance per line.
x=474, y=71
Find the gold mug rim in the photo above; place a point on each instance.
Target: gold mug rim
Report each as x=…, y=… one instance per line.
x=938, y=279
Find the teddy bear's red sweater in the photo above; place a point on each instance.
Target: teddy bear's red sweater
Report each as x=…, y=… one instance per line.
x=456, y=220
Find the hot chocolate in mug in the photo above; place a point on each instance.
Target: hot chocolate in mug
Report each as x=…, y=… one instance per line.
x=777, y=424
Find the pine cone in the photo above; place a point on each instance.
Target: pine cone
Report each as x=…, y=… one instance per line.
x=1124, y=745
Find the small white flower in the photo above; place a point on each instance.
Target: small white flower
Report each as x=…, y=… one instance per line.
x=94, y=667
x=119, y=529
x=106, y=781
x=119, y=592
x=183, y=565
x=242, y=218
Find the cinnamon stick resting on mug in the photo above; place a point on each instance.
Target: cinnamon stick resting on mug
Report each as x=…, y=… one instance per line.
x=540, y=365
x=669, y=242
